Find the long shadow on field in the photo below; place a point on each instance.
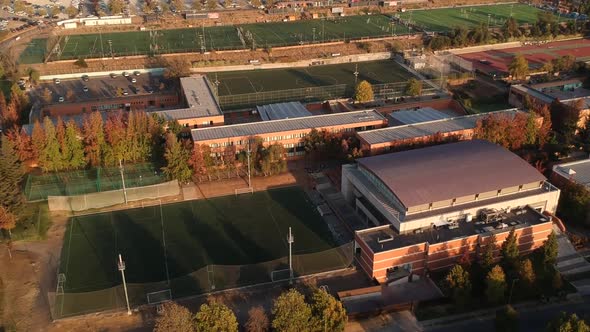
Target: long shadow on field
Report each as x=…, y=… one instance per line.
x=313, y=80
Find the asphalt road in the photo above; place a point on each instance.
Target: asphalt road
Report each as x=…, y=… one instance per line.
x=531, y=319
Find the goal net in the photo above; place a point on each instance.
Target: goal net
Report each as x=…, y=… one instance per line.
x=244, y=191
x=279, y=275
x=159, y=296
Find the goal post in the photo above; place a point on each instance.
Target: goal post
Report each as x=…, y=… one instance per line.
x=159, y=296
x=244, y=191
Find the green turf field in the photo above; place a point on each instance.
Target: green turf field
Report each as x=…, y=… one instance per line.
x=445, y=19
x=241, y=82
x=309, y=31
x=34, y=52
x=230, y=230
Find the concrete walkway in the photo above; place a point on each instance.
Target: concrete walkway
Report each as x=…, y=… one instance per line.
x=570, y=263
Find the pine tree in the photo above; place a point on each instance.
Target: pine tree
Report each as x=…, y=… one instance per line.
x=2, y=107
x=328, y=313
x=22, y=144
x=75, y=157
x=488, y=256
x=459, y=285
x=94, y=139
x=117, y=147
x=50, y=157
x=510, y=252
x=37, y=141
x=527, y=273
x=11, y=175
x=197, y=161
x=10, y=114
x=550, y=250
x=177, y=160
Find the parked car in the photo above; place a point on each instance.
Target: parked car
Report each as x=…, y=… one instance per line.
x=136, y=73
x=56, y=81
x=85, y=78
x=113, y=75
x=126, y=74
x=61, y=99
x=133, y=80
x=85, y=88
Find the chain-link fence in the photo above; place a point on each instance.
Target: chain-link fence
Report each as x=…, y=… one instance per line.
x=207, y=279
x=79, y=182
x=109, y=198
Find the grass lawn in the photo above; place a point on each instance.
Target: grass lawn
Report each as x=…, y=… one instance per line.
x=230, y=230
x=34, y=224
x=306, y=31
x=241, y=82
x=445, y=19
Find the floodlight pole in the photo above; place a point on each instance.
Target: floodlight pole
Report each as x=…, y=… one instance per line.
x=248, y=154
x=123, y=180
x=121, y=266
x=290, y=240
x=356, y=73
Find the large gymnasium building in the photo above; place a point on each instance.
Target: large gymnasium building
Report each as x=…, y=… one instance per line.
x=425, y=208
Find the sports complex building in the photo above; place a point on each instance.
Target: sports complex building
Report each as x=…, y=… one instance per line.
x=426, y=207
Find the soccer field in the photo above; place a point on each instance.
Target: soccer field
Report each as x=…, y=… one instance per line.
x=241, y=82
x=227, y=240
x=322, y=30
x=445, y=19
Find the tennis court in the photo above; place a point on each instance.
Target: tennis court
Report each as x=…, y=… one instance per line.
x=445, y=19
x=242, y=82
x=166, y=242
x=322, y=30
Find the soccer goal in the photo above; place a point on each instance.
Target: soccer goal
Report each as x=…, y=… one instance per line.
x=244, y=191
x=159, y=296
x=280, y=275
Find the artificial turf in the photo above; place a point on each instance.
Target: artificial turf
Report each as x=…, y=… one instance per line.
x=446, y=19
x=230, y=230
x=375, y=72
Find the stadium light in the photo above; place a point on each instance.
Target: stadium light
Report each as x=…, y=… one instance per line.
x=121, y=266
x=290, y=240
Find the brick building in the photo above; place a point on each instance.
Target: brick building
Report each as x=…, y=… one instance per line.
x=425, y=207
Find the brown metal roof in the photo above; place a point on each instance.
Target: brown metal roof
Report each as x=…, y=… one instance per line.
x=448, y=171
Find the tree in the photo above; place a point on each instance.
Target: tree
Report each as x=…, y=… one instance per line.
x=257, y=320
x=94, y=138
x=70, y=95
x=211, y=4
x=37, y=141
x=574, y=204
x=488, y=257
x=363, y=92
x=7, y=220
x=50, y=156
x=22, y=143
x=11, y=175
x=9, y=115
x=177, y=160
x=519, y=67
x=527, y=273
x=75, y=157
x=506, y=319
x=565, y=323
x=176, y=68
x=215, y=316
x=413, y=87
x=495, y=285
x=510, y=29
x=81, y=63
x=550, y=250
x=178, y=4
x=116, y=6
x=510, y=252
x=174, y=318
x=256, y=3
x=197, y=5
x=291, y=313
x=328, y=313
x=72, y=11
x=458, y=283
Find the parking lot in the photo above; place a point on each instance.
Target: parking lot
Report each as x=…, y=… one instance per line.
x=92, y=88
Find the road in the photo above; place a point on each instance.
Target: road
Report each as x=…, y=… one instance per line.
x=531, y=319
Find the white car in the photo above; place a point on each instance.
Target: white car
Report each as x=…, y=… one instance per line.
x=61, y=99
x=126, y=74
x=133, y=80
x=136, y=73
x=56, y=81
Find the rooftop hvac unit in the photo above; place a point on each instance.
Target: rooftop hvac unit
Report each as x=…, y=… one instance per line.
x=468, y=217
x=385, y=239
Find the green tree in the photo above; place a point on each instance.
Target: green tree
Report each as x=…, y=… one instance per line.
x=531, y=129
x=116, y=6
x=215, y=317
x=363, y=92
x=458, y=283
x=72, y=11
x=488, y=255
x=519, y=67
x=177, y=160
x=50, y=157
x=568, y=323
x=197, y=5
x=328, y=313
x=550, y=250
x=510, y=252
x=291, y=313
x=527, y=273
x=75, y=158
x=257, y=320
x=211, y=4
x=506, y=319
x=574, y=204
x=11, y=175
x=413, y=87
x=175, y=318
x=495, y=285
x=510, y=29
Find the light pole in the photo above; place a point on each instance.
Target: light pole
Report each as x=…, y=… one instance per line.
x=121, y=266
x=356, y=73
x=511, y=288
x=123, y=180
x=290, y=240
x=248, y=154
